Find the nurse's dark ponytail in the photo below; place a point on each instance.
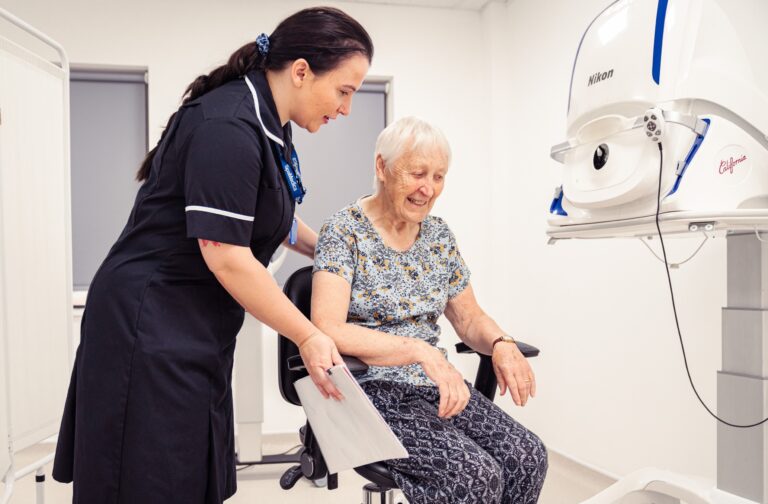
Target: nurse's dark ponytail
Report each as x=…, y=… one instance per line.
x=324, y=36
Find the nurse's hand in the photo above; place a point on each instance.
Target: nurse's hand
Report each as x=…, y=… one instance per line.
x=319, y=354
x=454, y=393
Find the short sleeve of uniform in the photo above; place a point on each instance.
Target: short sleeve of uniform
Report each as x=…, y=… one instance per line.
x=221, y=181
x=458, y=272
x=336, y=250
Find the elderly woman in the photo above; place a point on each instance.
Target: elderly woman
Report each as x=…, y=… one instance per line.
x=385, y=270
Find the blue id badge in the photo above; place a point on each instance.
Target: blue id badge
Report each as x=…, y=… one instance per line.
x=294, y=234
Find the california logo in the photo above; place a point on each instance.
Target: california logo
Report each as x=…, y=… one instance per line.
x=727, y=165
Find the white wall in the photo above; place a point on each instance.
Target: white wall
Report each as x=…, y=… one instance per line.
x=612, y=387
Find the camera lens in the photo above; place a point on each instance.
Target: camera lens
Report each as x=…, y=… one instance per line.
x=600, y=157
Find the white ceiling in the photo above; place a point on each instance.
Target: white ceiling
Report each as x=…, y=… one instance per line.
x=475, y=5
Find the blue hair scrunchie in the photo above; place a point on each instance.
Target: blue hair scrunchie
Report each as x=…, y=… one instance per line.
x=262, y=41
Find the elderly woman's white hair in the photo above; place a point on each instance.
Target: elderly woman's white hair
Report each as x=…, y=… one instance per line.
x=408, y=134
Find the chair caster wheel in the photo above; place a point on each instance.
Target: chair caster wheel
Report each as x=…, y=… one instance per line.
x=321, y=482
x=290, y=477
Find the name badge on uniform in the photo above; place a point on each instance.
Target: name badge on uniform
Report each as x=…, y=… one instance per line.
x=294, y=234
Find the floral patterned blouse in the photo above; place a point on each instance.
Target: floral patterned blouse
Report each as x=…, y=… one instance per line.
x=402, y=293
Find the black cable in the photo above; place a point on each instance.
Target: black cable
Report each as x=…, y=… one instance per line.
x=246, y=465
x=674, y=307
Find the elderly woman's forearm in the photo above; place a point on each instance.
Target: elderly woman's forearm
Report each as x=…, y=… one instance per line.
x=375, y=348
x=475, y=327
x=480, y=333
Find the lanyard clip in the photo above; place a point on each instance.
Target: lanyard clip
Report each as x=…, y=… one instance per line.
x=294, y=234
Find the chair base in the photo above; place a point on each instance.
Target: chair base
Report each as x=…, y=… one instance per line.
x=375, y=494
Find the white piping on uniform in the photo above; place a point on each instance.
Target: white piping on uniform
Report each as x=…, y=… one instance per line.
x=195, y=208
x=269, y=134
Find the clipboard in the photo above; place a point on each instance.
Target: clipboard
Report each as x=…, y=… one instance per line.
x=350, y=432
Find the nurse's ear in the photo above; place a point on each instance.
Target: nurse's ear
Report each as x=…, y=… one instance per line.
x=300, y=72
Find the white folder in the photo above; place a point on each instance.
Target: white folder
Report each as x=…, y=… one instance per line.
x=350, y=432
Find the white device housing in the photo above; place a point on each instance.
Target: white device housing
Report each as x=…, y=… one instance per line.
x=701, y=70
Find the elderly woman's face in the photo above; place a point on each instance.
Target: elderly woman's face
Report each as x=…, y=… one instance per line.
x=413, y=182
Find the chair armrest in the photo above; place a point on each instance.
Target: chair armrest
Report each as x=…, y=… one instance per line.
x=526, y=349
x=355, y=365
x=463, y=348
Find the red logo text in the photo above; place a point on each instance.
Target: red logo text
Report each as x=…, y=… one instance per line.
x=727, y=165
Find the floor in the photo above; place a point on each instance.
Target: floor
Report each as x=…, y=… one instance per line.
x=566, y=483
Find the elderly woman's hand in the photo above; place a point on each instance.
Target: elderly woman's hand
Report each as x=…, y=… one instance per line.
x=454, y=393
x=513, y=372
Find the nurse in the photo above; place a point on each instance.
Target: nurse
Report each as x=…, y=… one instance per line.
x=148, y=417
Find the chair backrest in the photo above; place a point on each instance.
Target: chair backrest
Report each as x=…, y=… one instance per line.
x=298, y=288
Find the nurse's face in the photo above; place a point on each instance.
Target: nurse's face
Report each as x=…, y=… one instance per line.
x=413, y=182
x=322, y=98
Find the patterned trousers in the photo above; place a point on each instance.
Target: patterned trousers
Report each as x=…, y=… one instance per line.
x=481, y=456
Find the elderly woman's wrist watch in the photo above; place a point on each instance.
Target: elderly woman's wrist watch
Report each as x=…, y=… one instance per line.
x=500, y=339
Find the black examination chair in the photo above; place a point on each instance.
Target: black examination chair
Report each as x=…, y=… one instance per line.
x=298, y=288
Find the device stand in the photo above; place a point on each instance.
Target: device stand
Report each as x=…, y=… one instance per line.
x=742, y=384
x=742, y=398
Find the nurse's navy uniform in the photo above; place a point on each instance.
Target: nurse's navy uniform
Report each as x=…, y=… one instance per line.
x=148, y=417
